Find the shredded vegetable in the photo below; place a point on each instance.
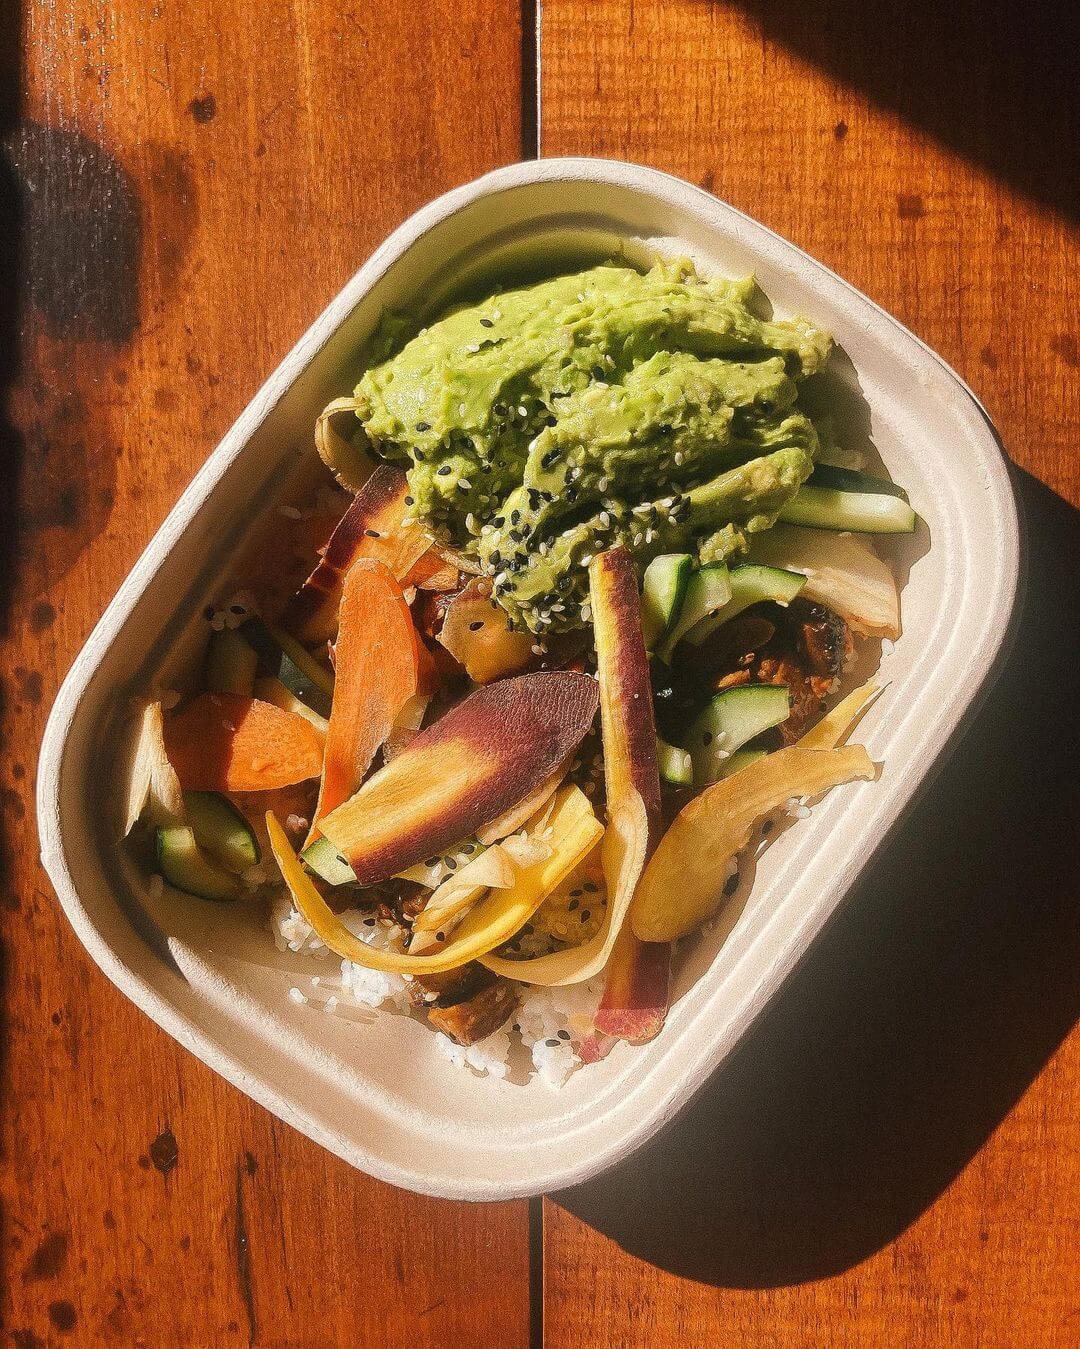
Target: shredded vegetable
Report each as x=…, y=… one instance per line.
x=682, y=885
x=490, y=923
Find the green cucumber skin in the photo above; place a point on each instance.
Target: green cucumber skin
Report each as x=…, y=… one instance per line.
x=699, y=600
x=851, y=480
x=295, y=668
x=750, y=584
x=186, y=868
x=742, y=758
x=221, y=831
x=853, y=512
x=674, y=764
x=323, y=858
x=737, y=715
x=663, y=592
x=231, y=663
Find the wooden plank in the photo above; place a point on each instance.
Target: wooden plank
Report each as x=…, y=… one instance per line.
x=891, y=1160
x=195, y=182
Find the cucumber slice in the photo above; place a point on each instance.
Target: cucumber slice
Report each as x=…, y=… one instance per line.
x=663, y=589
x=851, y=480
x=674, y=764
x=750, y=584
x=221, y=831
x=707, y=590
x=741, y=758
x=231, y=663
x=186, y=867
x=728, y=722
x=272, y=690
x=325, y=860
x=865, y=512
x=283, y=658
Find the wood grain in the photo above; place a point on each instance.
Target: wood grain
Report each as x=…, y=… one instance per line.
x=192, y=184
x=891, y=1160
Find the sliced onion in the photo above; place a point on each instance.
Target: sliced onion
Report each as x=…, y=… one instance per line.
x=346, y=461
x=152, y=784
x=842, y=571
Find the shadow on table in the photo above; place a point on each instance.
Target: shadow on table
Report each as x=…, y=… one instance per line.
x=920, y=1016
x=996, y=80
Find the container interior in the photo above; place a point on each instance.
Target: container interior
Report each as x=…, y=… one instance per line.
x=377, y=1091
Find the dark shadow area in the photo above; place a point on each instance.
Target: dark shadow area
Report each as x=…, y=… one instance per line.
x=995, y=80
x=919, y=1017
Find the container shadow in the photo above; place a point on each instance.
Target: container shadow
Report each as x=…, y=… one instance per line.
x=920, y=1016
x=996, y=81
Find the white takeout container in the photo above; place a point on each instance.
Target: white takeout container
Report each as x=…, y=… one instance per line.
x=378, y=1093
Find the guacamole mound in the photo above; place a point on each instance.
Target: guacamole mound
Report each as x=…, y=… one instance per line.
x=546, y=424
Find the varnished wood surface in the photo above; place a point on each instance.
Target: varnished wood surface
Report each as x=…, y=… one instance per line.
x=892, y=1160
x=197, y=181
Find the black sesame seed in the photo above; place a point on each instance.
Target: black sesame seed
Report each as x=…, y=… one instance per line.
x=440, y=936
x=410, y=501
x=731, y=884
x=423, y=426
x=432, y=862
x=590, y=888
x=419, y=456
x=574, y=893
x=706, y=739
x=549, y=458
x=373, y=533
x=574, y=903
x=586, y=914
x=598, y=372
x=496, y=557
x=451, y=864
x=564, y=1034
x=553, y=1043
x=767, y=827
x=499, y=521
x=515, y=517
x=475, y=627
x=369, y=922
x=486, y=323
x=237, y=609
x=445, y=470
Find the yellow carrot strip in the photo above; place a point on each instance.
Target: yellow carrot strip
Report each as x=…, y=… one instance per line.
x=492, y=921
x=682, y=884
x=832, y=727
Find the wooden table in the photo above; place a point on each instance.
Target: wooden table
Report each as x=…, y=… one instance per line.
x=892, y=1159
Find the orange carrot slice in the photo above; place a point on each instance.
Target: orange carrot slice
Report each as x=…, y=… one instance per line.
x=225, y=743
x=377, y=670
x=372, y=527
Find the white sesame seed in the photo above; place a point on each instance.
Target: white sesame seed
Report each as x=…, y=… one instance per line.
x=679, y=457
x=464, y=485
x=472, y=346
x=523, y=411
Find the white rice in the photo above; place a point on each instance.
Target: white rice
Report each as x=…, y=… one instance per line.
x=551, y=1023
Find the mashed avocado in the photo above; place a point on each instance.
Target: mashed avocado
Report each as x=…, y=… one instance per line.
x=545, y=424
